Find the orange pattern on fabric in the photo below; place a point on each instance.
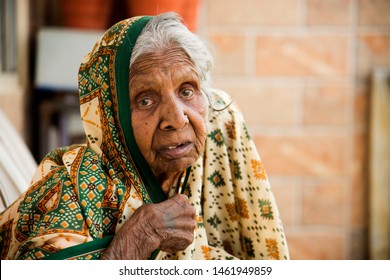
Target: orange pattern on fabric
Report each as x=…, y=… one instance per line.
x=258, y=169
x=238, y=209
x=50, y=201
x=231, y=129
x=206, y=252
x=272, y=247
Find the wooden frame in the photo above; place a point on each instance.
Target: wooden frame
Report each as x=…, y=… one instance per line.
x=380, y=165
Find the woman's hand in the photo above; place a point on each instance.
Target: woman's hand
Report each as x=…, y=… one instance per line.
x=168, y=225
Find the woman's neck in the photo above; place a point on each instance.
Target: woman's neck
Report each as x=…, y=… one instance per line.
x=168, y=180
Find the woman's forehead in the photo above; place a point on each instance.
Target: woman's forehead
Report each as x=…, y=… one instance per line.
x=173, y=59
x=161, y=58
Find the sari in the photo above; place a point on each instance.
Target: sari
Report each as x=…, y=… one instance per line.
x=81, y=195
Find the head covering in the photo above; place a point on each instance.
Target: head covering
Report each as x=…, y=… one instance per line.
x=104, y=80
x=81, y=195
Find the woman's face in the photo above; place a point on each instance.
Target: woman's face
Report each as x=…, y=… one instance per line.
x=167, y=110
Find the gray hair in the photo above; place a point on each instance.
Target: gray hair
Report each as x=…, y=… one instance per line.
x=165, y=31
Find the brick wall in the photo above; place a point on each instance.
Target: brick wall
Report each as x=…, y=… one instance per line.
x=299, y=69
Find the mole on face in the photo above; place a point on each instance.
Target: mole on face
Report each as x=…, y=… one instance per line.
x=165, y=71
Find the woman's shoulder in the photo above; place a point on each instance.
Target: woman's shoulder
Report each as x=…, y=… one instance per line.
x=222, y=105
x=218, y=98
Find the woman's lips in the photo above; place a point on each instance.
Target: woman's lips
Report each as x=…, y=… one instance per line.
x=176, y=151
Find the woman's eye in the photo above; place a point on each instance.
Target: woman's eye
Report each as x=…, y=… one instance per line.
x=145, y=102
x=187, y=93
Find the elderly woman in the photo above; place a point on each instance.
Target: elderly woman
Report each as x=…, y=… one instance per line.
x=169, y=170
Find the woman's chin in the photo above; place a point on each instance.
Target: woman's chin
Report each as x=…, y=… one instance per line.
x=173, y=166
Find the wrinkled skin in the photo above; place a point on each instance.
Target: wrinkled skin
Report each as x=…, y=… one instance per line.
x=168, y=225
x=168, y=119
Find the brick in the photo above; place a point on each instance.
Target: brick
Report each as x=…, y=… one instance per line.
x=328, y=12
x=268, y=105
x=326, y=105
x=252, y=12
x=325, y=204
x=309, y=245
x=373, y=51
x=374, y=12
x=303, y=155
x=302, y=55
x=228, y=54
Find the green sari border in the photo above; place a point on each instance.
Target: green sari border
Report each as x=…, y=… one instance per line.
x=82, y=249
x=122, y=73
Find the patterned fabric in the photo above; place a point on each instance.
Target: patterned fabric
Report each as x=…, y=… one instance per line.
x=81, y=195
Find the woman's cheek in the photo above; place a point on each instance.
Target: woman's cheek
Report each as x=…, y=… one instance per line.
x=141, y=130
x=200, y=123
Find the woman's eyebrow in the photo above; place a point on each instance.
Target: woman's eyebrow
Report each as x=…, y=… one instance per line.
x=190, y=76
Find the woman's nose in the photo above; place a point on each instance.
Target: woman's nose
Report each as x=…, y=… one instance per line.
x=172, y=115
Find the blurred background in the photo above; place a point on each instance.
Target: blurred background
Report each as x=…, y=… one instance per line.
x=311, y=77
